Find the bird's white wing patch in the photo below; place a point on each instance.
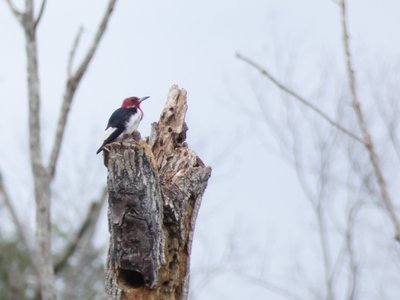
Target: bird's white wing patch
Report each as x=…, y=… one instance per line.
x=109, y=132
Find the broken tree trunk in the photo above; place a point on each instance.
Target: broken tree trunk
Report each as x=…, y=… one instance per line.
x=155, y=188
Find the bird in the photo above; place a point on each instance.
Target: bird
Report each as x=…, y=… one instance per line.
x=124, y=120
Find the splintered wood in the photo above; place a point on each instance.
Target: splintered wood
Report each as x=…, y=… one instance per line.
x=155, y=190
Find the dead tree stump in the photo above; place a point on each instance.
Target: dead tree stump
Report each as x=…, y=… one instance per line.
x=155, y=188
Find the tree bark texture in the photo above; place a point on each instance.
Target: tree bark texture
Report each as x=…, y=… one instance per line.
x=43, y=175
x=155, y=189
x=40, y=177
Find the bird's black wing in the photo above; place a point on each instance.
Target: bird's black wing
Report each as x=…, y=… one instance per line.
x=111, y=138
x=120, y=116
x=117, y=120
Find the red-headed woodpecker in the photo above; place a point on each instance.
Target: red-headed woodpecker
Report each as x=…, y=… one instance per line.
x=123, y=121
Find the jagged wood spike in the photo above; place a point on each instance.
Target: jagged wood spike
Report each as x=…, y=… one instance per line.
x=155, y=187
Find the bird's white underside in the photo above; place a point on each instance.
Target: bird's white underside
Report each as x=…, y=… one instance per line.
x=130, y=126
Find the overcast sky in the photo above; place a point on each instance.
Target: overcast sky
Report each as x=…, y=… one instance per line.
x=150, y=45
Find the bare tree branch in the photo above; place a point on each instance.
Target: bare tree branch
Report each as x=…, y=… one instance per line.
x=317, y=201
x=368, y=142
x=391, y=125
x=14, y=10
x=297, y=162
x=71, y=86
x=323, y=239
x=353, y=265
x=33, y=90
x=304, y=101
x=18, y=225
x=73, y=51
x=39, y=17
x=391, y=121
x=88, y=223
x=40, y=177
x=100, y=32
x=230, y=255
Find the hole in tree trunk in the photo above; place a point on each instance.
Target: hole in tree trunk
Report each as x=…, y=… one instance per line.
x=130, y=278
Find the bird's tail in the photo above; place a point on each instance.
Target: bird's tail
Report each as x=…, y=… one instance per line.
x=100, y=149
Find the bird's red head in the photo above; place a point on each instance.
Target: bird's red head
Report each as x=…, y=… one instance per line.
x=133, y=101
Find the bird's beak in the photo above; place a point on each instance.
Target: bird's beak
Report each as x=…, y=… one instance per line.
x=143, y=98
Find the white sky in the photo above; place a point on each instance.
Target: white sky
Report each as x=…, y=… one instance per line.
x=149, y=46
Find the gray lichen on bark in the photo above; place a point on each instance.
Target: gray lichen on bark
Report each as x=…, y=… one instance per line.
x=155, y=186
x=135, y=216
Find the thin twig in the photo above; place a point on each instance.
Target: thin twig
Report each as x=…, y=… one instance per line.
x=322, y=232
x=338, y=263
x=100, y=32
x=353, y=266
x=304, y=101
x=298, y=164
x=14, y=10
x=323, y=194
x=71, y=86
x=318, y=201
x=348, y=250
x=39, y=17
x=368, y=142
x=391, y=122
x=393, y=137
x=88, y=223
x=73, y=51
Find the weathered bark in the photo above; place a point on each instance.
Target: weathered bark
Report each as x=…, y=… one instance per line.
x=135, y=216
x=41, y=179
x=155, y=190
x=43, y=176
